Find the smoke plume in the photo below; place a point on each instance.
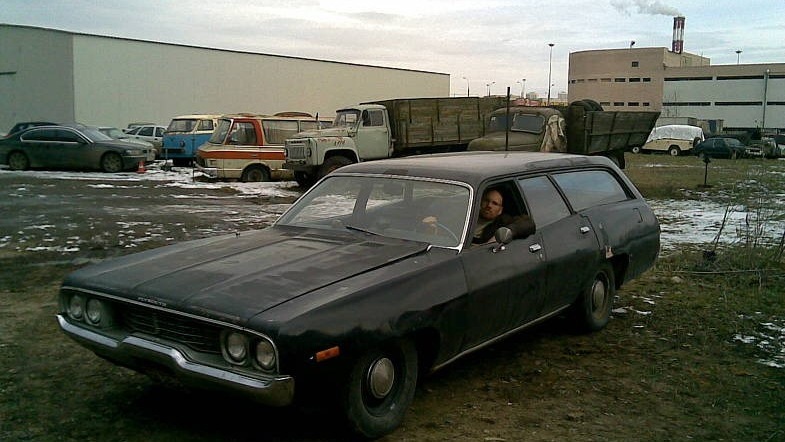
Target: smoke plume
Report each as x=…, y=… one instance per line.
x=649, y=7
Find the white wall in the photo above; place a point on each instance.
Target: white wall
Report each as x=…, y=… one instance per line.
x=35, y=76
x=118, y=81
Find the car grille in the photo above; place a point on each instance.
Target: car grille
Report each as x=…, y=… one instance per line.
x=295, y=149
x=195, y=334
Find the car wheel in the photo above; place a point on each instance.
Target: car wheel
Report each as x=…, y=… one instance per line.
x=112, y=162
x=333, y=163
x=380, y=388
x=18, y=161
x=303, y=179
x=636, y=149
x=674, y=151
x=255, y=174
x=593, y=307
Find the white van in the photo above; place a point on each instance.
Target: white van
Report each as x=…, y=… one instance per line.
x=675, y=139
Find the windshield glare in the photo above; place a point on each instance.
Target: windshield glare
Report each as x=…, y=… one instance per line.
x=346, y=118
x=182, y=125
x=219, y=134
x=427, y=211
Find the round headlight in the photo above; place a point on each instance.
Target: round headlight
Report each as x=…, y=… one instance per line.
x=265, y=354
x=94, y=311
x=76, y=307
x=236, y=346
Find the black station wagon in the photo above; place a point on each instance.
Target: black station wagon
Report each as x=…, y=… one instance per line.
x=371, y=278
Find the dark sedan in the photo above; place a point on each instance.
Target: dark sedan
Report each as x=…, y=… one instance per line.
x=68, y=147
x=720, y=147
x=371, y=278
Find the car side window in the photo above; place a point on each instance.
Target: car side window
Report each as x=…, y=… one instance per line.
x=543, y=200
x=373, y=118
x=146, y=131
x=590, y=188
x=40, y=135
x=67, y=136
x=159, y=132
x=205, y=125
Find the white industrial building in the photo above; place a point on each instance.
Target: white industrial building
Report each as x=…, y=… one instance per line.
x=60, y=76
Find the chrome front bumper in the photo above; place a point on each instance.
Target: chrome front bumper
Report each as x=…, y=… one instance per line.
x=136, y=353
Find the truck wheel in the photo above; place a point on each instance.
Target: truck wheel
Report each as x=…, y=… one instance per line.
x=674, y=151
x=303, y=179
x=333, y=163
x=255, y=174
x=380, y=387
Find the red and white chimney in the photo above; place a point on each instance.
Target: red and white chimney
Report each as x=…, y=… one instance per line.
x=678, y=35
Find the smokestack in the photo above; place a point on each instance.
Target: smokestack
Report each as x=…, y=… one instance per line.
x=678, y=35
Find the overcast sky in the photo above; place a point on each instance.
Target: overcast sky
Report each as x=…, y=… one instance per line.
x=484, y=41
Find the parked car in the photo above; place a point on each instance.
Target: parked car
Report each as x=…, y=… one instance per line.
x=720, y=147
x=28, y=124
x=371, y=278
x=72, y=146
x=149, y=132
x=676, y=139
x=116, y=134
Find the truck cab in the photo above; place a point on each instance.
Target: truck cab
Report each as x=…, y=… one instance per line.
x=527, y=129
x=358, y=133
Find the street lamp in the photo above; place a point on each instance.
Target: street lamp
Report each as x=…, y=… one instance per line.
x=738, y=53
x=467, y=85
x=550, y=67
x=489, y=87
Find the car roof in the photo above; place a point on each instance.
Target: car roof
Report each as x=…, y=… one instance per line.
x=473, y=167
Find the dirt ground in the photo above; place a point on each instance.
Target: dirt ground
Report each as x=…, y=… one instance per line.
x=666, y=367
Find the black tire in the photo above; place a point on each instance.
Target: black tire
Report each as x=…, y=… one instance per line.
x=255, y=174
x=593, y=308
x=333, y=163
x=674, y=151
x=635, y=149
x=303, y=179
x=373, y=409
x=112, y=162
x=18, y=161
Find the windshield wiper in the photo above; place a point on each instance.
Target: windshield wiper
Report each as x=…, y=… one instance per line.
x=360, y=229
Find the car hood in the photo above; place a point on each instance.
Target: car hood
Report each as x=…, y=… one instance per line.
x=234, y=277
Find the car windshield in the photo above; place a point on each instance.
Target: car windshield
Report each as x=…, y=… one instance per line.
x=94, y=134
x=219, y=134
x=182, y=125
x=113, y=132
x=346, y=118
x=414, y=209
x=520, y=123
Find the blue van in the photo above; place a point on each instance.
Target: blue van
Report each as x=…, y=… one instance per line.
x=184, y=136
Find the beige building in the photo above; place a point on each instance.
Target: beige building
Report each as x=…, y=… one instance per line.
x=60, y=76
x=742, y=97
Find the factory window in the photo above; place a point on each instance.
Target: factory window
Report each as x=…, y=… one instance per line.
x=618, y=103
x=635, y=80
x=738, y=103
x=608, y=103
x=635, y=64
x=605, y=80
x=619, y=80
x=572, y=81
x=580, y=80
x=646, y=104
x=592, y=80
x=646, y=79
x=740, y=77
x=633, y=104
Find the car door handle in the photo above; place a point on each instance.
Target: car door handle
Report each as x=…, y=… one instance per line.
x=535, y=248
x=585, y=230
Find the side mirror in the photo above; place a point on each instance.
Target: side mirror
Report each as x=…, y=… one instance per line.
x=503, y=235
